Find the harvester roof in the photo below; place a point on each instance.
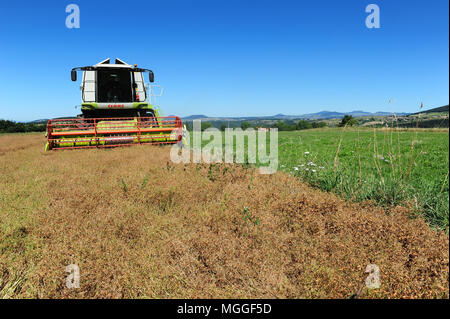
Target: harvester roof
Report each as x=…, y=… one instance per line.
x=107, y=64
x=118, y=64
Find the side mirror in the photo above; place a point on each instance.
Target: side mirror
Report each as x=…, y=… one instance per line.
x=73, y=75
x=151, y=76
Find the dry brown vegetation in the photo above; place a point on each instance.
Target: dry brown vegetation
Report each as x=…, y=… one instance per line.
x=139, y=226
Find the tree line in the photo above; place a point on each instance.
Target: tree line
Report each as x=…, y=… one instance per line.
x=7, y=126
x=299, y=126
x=280, y=125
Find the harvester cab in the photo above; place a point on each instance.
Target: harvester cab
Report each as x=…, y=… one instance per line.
x=112, y=90
x=117, y=110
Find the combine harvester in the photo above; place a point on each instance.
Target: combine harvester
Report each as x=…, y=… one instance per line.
x=116, y=111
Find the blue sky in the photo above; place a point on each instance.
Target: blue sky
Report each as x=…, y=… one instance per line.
x=231, y=58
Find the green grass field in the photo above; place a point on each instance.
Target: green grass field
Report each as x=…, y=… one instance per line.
x=390, y=167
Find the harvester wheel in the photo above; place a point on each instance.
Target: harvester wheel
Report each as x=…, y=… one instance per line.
x=149, y=121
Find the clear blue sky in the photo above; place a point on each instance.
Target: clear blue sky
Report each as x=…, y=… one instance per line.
x=230, y=58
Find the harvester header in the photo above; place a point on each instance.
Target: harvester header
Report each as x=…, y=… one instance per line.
x=117, y=110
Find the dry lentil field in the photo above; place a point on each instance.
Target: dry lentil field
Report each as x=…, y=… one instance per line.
x=139, y=226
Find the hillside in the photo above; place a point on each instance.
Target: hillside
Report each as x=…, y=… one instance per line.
x=139, y=226
x=444, y=108
x=437, y=117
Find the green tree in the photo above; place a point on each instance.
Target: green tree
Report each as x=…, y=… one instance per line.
x=318, y=124
x=206, y=125
x=188, y=125
x=245, y=125
x=282, y=126
x=348, y=120
x=303, y=125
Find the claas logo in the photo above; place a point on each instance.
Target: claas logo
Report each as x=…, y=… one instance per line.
x=116, y=105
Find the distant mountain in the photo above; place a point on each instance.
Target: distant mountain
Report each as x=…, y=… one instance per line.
x=195, y=117
x=388, y=113
x=333, y=115
x=322, y=115
x=359, y=113
x=38, y=121
x=311, y=116
x=44, y=121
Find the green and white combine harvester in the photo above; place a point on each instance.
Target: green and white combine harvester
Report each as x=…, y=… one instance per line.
x=116, y=111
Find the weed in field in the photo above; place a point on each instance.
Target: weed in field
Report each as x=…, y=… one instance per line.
x=145, y=181
x=169, y=167
x=211, y=173
x=248, y=216
x=166, y=200
x=124, y=186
